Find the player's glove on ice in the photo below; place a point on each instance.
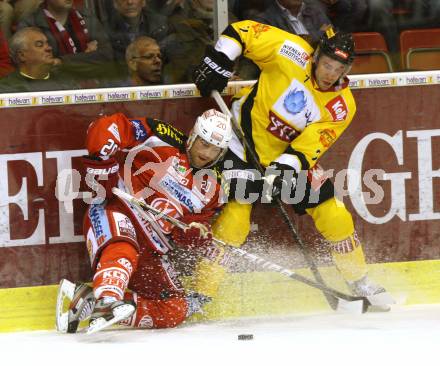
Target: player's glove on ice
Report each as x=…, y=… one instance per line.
x=101, y=175
x=213, y=72
x=278, y=176
x=197, y=235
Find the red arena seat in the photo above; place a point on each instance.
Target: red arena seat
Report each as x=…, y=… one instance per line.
x=371, y=54
x=420, y=49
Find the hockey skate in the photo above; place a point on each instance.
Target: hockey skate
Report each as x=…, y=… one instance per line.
x=80, y=307
x=379, y=298
x=108, y=312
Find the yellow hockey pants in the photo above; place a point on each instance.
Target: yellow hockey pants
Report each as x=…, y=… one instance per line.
x=331, y=219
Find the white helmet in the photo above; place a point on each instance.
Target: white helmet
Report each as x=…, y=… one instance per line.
x=213, y=127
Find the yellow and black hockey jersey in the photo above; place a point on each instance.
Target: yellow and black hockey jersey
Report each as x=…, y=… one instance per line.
x=290, y=120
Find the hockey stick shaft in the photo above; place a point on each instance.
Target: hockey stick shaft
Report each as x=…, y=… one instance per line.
x=250, y=152
x=141, y=207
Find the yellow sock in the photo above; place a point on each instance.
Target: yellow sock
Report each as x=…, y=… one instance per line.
x=350, y=263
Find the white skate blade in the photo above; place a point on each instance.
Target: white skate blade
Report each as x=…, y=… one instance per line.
x=120, y=313
x=66, y=289
x=381, y=302
x=344, y=306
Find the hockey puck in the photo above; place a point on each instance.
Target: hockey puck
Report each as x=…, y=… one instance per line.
x=245, y=337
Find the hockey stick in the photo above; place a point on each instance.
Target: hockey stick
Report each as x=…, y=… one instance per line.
x=343, y=301
x=256, y=162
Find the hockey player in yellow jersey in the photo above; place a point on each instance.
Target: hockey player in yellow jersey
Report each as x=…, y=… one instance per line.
x=295, y=112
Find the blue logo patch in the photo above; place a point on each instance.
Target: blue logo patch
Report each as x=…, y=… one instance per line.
x=139, y=130
x=295, y=101
x=178, y=192
x=99, y=223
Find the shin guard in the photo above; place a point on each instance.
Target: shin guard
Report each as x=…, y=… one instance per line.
x=115, y=267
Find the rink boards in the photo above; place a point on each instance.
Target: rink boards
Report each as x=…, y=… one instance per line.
x=395, y=132
x=254, y=294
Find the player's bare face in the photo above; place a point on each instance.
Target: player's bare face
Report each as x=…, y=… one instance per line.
x=149, y=64
x=203, y=153
x=38, y=50
x=328, y=71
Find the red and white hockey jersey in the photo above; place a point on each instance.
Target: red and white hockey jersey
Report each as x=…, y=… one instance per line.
x=155, y=167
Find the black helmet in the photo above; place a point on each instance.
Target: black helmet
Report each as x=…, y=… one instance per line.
x=337, y=45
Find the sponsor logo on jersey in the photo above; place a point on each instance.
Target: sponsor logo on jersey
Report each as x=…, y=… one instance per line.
x=126, y=264
x=295, y=53
x=280, y=129
x=113, y=129
x=297, y=106
x=259, y=29
x=182, y=170
x=238, y=174
x=100, y=224
x=295, y=101
x=337, y=108
x=327, y=137
x=163, y=129
x=181, y=194
x=140, y=134
x=167, y=207
x=124, y=226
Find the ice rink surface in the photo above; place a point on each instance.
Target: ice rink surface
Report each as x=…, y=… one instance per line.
x=405, y=336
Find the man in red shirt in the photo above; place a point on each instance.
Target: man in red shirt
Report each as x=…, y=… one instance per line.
x=173, y=173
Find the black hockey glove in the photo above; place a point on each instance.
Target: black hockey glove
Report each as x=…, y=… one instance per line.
x=278, y=176
x=213, y=72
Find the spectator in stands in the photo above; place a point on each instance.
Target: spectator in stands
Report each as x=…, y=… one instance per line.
x=247, y=9
x=305, y=18
x=381, y=19
x=144, y=62
x=191, y=26
x=6, y=66
x=32, y=54
x=74, y=37
x=296, y=16
x=165, y=7
x=6, y=17
x=24, y=8
x=131, y=19
x=348, y=15
x=424, y=14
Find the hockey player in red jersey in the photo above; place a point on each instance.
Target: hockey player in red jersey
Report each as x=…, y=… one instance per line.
x=171, y=172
